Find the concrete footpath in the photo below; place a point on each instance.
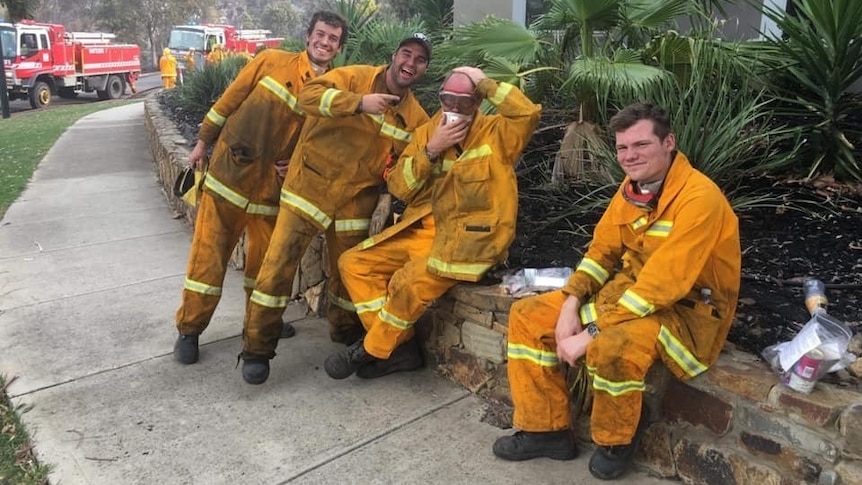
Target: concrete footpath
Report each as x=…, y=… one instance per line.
x=91, y=268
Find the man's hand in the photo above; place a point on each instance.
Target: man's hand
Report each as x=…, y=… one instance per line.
x=281, y=167
x=572, y=348
x=198, y=156
x=447, y=135
x=381, y=214
x=569, y=321
x=378, y=103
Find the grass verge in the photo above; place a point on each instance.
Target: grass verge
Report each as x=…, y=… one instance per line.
x=18, y=463
x=24, y=140
x=26, y=137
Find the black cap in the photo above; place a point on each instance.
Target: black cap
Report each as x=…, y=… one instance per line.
x=419, y=38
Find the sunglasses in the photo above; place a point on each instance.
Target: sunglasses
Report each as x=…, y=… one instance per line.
x=464, y=102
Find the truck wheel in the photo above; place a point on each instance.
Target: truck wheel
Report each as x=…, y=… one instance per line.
x=113, y=90
x=40, y=95
x=67, y=93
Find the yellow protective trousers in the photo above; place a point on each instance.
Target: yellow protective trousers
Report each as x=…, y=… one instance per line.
x=218, y=226
x=169, y=82
x=391, y=286
x=292, y=236
x=618, y=359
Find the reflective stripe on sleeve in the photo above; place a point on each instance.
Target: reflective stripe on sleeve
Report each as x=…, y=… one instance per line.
x=635, y=304
x=215, y=117
x=502, y=91
x=594, y=269
x=326, y=102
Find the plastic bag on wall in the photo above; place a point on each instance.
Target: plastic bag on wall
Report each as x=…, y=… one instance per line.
x=531, y=281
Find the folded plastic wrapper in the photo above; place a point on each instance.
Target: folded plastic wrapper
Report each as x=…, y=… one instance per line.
x=532, y=281
x=822, y=332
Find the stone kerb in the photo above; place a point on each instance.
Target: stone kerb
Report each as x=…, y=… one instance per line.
x=734, y=424
x=170, y=152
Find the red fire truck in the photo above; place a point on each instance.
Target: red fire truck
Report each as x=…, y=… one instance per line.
x=43, y=59
x=204, y=37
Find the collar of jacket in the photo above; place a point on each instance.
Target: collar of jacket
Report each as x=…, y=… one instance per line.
x=627, y=212
x=306, y=65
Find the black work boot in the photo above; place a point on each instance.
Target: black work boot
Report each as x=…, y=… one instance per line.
x=344, y=363
x=611, y=462
x=255, y=371
x=524, y=445
x=186, y=349
x=287, y=330
x=407, y=357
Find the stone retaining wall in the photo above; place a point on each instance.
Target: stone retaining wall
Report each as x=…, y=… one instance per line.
x=735, y=424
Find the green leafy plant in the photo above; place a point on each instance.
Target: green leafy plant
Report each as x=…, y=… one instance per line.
x=818, y=58
x=203, y=87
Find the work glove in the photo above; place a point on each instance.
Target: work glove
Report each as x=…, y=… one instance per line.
x=381, y=214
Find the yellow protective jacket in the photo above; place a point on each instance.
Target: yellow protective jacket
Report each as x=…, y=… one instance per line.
x=168, y=65
x=688, y=243
x=336, y=171
x=259, y=118
x=189, y=60
x=474, y=188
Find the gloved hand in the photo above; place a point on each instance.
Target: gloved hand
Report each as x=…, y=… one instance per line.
x=381, y=214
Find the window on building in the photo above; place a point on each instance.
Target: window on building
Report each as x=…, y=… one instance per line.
x=535, y=8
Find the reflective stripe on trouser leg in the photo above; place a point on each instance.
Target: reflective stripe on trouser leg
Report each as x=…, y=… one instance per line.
x=218, y=225
x=290, y=239
x=538, y=385
x=365, y=275
x=258, y=232
x=340, y=310
x=411, y=290
x=618, y=360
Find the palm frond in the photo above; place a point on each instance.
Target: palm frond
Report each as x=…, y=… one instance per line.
x=623, y=76
x=493, y=37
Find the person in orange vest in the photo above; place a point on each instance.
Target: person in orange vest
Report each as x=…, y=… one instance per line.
x=253, y=129
x=189, y=60
x=168, y=68
x=358, y=115
x=659, y=282
x=444, y=235
x=217, y=55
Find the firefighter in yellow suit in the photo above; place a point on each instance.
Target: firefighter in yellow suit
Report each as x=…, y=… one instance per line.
x=168, y=69
x=457, y=175
x=190, y=60
x=660, y=280
x=217, y=54
x=358, y=116
x=254, y=126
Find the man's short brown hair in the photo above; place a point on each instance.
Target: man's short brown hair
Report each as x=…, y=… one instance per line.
x=633, y=113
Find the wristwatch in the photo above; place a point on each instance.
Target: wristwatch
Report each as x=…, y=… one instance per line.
x=433, y=159
x=593, y=330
